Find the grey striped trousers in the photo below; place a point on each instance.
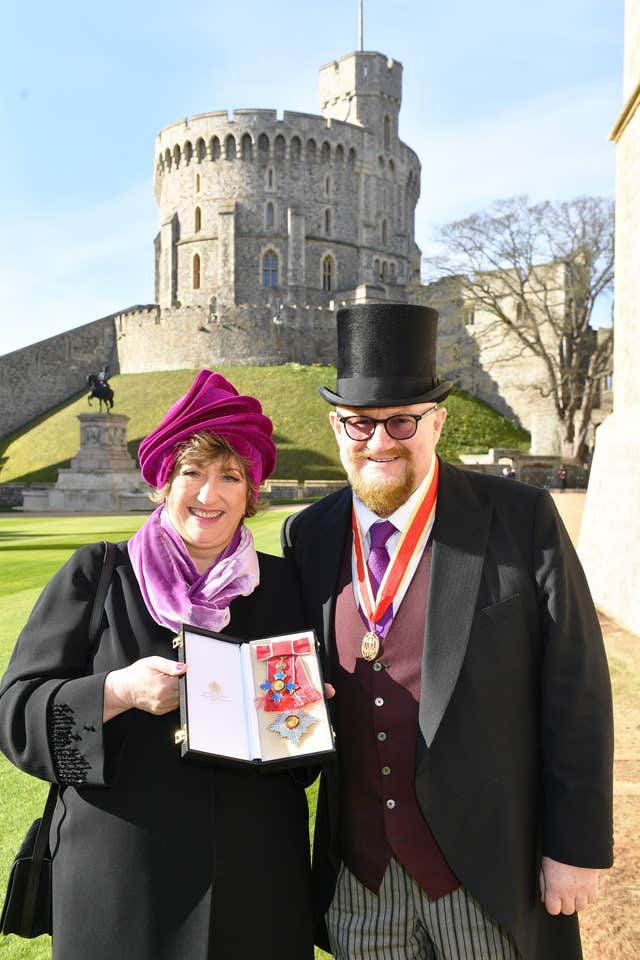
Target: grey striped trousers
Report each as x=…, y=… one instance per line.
x=400, y=922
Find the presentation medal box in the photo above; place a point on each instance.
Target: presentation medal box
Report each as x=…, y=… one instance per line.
x=258, y=702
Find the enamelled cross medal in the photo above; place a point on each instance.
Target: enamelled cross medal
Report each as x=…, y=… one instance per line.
x=287, y=688
x=375, y=605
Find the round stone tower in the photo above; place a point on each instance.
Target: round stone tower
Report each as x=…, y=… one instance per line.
x=302, y=209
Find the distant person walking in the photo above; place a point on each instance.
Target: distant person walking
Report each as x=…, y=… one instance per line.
x=562, y=477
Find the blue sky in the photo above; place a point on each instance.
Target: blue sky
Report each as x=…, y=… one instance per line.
x=499, y=99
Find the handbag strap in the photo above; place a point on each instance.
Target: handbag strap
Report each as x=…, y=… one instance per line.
x=108, y=563
x=42, y=838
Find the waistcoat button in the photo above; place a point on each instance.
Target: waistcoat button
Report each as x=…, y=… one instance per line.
x=386, y=771
x=379, y=702
x=382, y=735
x=391, y=804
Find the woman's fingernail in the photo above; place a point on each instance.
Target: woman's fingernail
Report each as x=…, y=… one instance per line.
x=179, y=667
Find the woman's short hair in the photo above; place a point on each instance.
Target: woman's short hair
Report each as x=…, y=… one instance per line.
x=204, y=448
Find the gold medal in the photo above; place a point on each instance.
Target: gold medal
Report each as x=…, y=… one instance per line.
x=370, y=645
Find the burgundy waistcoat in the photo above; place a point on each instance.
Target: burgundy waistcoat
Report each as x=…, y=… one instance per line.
x=377, y=721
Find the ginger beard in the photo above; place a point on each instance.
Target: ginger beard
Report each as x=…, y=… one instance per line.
x=380, y=494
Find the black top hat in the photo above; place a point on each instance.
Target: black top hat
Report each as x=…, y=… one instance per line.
x=386, y=356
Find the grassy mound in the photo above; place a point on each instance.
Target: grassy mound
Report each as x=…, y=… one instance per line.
x=289, y=396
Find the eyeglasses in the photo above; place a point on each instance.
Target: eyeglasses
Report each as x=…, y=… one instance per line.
x=401, y=426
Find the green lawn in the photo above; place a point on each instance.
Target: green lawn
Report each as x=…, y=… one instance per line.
x=33, y=548
x=306, y=448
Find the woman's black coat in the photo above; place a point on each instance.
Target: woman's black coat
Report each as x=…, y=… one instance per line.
x=155, y=857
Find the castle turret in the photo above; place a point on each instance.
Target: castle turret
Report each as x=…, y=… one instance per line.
x=364, y=88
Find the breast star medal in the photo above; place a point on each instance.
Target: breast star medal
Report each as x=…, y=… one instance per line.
x=293, y=726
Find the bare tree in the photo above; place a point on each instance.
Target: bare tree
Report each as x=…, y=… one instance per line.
x=535, y=273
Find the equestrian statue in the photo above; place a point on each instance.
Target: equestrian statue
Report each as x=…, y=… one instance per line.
x=100, y=388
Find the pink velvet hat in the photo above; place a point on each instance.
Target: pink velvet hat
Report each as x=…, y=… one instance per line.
x=212, y=405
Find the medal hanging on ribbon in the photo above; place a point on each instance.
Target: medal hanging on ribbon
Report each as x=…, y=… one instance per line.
x=287, y=686
x=373, y=608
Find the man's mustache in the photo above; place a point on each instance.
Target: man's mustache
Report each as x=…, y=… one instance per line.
x=361, y=455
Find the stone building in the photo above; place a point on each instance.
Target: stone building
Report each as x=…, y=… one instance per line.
x=610, y=531
x=254, y=209
x=267, y=227
x=479, y=353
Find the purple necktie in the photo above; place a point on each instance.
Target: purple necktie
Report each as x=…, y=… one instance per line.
x=377, y=563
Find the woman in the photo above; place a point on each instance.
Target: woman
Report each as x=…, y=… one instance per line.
x=157, y=857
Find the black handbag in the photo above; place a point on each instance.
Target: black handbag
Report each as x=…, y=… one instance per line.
x=27, y=905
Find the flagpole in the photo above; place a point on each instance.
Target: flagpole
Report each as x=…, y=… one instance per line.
x=360, y=26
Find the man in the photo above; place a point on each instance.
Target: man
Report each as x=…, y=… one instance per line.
x=470, y=808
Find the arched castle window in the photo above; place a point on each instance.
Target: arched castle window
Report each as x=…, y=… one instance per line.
x=384, y=270
x=519, y=312
x=392, y=272
x=327, y=223
x=268, y=216
x=197, y=183
x=339, y=154
x=387, y=133
x=381, y=166
x=167, y=158
x=376, y=269
x=230, y=147
x=325, y=153
x=385, y=233
x=263, y=148
x=196, y=271
x=328, y=274
x=214, y=148
x=246, y=148
x=201, y=150
x=197, y=220
x=295, y=149
x=188, y=152
x=351, y=159
x=392, y=169
x=270, y=269
x=269, y=178
x=311, y=150
x=177, y=153
x=279, y=147
x=327, y=186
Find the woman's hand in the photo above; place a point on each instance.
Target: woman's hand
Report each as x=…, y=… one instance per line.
x=149, y=684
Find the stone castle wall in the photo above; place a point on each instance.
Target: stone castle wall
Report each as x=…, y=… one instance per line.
x=253, y=335
x=36, y=378
x=479, y=355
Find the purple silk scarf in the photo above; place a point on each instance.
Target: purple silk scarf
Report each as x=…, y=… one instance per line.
x=174, y=590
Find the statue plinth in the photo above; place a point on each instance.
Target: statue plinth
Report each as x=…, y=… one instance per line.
x=103, y=444
x=102, y=477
